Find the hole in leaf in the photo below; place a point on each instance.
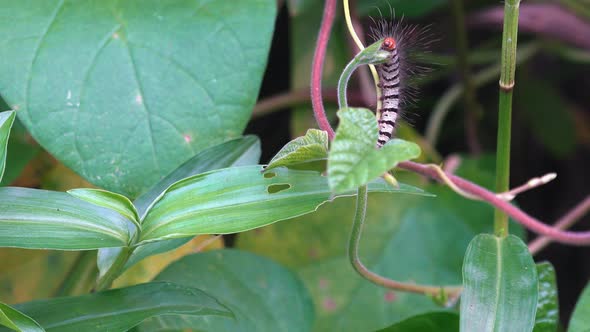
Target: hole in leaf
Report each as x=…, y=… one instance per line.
x=269, y=175
x=275, y=188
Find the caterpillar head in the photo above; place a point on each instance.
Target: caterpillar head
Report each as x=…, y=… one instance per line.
x=388, y=44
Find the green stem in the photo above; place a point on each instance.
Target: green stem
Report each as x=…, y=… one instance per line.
x=80, y=277
x=507, y=72
x=115, y=270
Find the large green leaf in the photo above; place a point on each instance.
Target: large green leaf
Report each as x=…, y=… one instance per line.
x=263, y=295
x=238, y=199
x=17, y=321
x=354, y=160
x=6, y=121
x=304, y=149
x=124, y=91
x=32, y=218
x=121, y=309
x=236, y=152
x=580, y=320
x=500, y=285
x=430, y=322
x=408, y=238
x=547, y=318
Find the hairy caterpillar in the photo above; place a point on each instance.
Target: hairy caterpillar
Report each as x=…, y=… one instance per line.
x=403, y=43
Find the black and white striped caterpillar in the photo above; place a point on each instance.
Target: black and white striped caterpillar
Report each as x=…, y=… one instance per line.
x=402, y=41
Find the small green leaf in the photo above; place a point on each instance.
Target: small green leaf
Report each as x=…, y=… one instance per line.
x=500, y=285
x=41, y=219
x=121, y=309
x=580, y=321
x=432, y=321
x=17, y=321
x=237, y=199
x=547, y=317
x=109, y=200
x=263, y=295
x=354, y=160
x=6, y=121
x=311, y=147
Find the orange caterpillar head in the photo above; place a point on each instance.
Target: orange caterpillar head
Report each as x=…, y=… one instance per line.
x=388, y=44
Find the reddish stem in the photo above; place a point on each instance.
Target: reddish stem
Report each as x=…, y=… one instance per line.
x=533, y=224
x=318, y=65
x=574, y=238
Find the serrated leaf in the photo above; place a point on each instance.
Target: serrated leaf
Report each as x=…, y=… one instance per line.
x=123, y=92
x=354, y=160
x=17, y=321
x=109, y=200
x=580, y=321
x=500, y=285
x=238, y=199
x=263, y=295
x=41, y=219
x=429, y=322
x=311, y=147
x=547, y=318
x=121, y=309
x=6, y=121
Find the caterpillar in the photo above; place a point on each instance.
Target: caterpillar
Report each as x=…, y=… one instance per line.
x=403, y=42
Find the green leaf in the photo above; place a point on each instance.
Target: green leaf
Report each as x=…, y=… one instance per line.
x=21, y=150
x=432, y=321
x=263, y=295
x=311, y=147
x=121, y=309
x=40, y=219
x=6, y=121
x=354, y=160
x=408, y=238
x=237, y=152
x=237, y=199
x=581, y=317
x=500, y=285
x=17, y=321
x=547, y=318
x=123, y=92
x=109, y=200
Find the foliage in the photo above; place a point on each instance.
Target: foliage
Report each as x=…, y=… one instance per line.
x=122, y=135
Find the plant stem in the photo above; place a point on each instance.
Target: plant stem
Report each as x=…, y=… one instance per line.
x=355, y=261
x=471, y=106
x=508, y=64
x=115, y=270
x=80, y=277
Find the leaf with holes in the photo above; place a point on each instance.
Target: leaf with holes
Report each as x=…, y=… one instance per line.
x=123, y=92
x=238, y=199
x=547, y=318
x=6, y=121
x=354, y=160
x=17, y=321
x=500, y=285
x=309, y=148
